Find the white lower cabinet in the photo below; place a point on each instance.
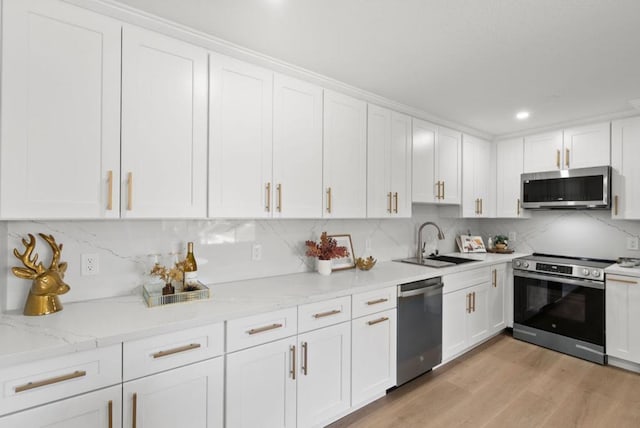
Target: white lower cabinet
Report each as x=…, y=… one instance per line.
x=99, y=409
x=373, y=347
x=622, y=317
x=497, y=294
x=190, y=396
x=324, y=375
x=261, y=385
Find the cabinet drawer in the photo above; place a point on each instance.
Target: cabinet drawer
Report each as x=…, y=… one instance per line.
x=39, y=382
x=374, y=301
x=257, y=329
x=323, y=314
x=154, y=354
x=460, y=280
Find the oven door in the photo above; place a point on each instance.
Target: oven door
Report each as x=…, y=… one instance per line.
x=568, y=307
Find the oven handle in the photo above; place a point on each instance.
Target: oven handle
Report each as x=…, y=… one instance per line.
x=429, y=291
x=579, y=282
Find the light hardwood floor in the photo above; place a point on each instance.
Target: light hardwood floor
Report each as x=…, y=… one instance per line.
x=509, y=383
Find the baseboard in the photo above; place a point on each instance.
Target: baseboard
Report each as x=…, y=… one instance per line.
x=623, y=364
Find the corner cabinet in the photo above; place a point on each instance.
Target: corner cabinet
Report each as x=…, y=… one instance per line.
x=509, y=167
x=388, y=163
x=344, y=156
x=60, y=138
x=625, y=152
x=437, y=164
x=477, y=194
x=164, y=127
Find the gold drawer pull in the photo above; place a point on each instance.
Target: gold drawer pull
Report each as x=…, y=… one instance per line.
x=327, y=314
x=189, y=347
x=378, y=321
x=389, y=203
x=292, y=372
x=624, y=281
x=135, y=410
x=438, y=196
x=267, y=206
x=375, y=302
x=566, y=158
x=329, y=200
x=558, y=159
x=468, y=303
x=279, y=204
x=395, y=201
x=495, y=278
x=110, y=413
x=442, y=189
x=305, y=360
x=473, y=299
x=265, y=328
x=615, y=204
x=40, y=383
x=518, y=207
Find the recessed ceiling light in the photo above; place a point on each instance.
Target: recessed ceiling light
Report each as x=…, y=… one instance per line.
x=522, y=115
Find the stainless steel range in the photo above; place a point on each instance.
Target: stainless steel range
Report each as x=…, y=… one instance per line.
x=559, y=304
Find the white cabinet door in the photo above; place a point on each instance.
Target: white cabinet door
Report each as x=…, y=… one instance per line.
x=497, y=298
x=456, y=307
x=324, y=375
x=508, y=295
x=543, y=152
x=190, y=396
x=100, y=409
x=478, y=319
x=164, y=127
x=509, y=167
x=622, y=317
x=60, y=141
x=424, y=162
x=261, y=385
x=625, y=152
x=373, y=345
x=240, y=155
x=297, y=149
x=477, y=197
x=449, y=164
x=401, y=138
x=344, y=156
x=379, y=192
x=587, y=146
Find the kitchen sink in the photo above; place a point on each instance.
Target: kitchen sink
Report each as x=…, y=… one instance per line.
x=437, y=261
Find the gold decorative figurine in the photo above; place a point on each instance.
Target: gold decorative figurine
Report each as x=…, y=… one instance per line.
x=47, y=283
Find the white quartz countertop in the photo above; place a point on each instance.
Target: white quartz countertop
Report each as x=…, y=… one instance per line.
x=619, y=270
x=102, y=322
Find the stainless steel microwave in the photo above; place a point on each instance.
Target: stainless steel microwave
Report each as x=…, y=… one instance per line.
x=572, y=188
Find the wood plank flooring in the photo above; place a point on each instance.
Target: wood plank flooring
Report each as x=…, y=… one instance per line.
x=509, y=383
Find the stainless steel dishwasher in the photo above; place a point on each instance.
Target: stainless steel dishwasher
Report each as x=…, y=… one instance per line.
x=419, y=328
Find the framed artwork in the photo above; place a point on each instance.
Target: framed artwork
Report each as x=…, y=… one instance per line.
x=348, y=262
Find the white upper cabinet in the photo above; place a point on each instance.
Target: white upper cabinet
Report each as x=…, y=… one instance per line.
x=388, y=163
x=477, y=194
x=509, y=167
x=437, y=164
x=297, y=149
x=578, y=147
x=164, y=127
x=344, y=156
x=625, y=153
x=60, y=149
x=543, y=152
x=241, y=139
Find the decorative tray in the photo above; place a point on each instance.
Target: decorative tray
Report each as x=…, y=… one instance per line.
x=152, y=294
x=499, y=251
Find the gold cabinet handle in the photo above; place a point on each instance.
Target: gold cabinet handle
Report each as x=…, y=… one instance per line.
x=110, y=407
x=135, y=410
x=443, y=190
x=292, y=371
x=473, y=299
x=494, y=280
x=267, y=205
x=305, y=360
x=566, y=158
x=438, y=186
x=327, y=314
x=168, y=352
x=468, y=303
x=130, y=191
x=476, y=201
x=375, y=302
x=624, y=281
x=615, y=205
x=50, y=381
x=518, y=207
x=395, y=201
x=279, y=201
x=378, y=321
x=558, y=159
x=481, y=208
x=389, y=202
x=329, y=200
x=109, y=190
x=265, y=328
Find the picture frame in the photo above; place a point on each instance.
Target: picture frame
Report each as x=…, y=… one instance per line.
x=343, y=263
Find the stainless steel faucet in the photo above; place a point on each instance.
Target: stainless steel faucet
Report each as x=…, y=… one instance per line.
x=440, y=236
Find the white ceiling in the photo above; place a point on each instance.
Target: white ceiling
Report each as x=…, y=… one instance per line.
x=474, y=62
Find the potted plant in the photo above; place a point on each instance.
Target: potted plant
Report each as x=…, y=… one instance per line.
x=324, y=251
x=500, y=242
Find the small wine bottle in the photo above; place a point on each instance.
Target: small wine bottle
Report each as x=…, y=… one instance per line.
x=190, y=270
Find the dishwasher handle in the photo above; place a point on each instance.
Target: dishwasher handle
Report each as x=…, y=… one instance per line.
x=431, y=290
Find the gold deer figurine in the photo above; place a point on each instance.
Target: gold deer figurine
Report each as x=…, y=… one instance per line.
x=47, y=283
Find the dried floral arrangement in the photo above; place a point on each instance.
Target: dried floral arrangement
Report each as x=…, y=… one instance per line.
x=326, y=249
x=167, y=274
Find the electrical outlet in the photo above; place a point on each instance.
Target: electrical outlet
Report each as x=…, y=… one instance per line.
x=632, y=243
x=89, y=264
x=513, y=237
x=256, y=252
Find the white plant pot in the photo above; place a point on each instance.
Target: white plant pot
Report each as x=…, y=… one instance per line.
x=323, y=267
